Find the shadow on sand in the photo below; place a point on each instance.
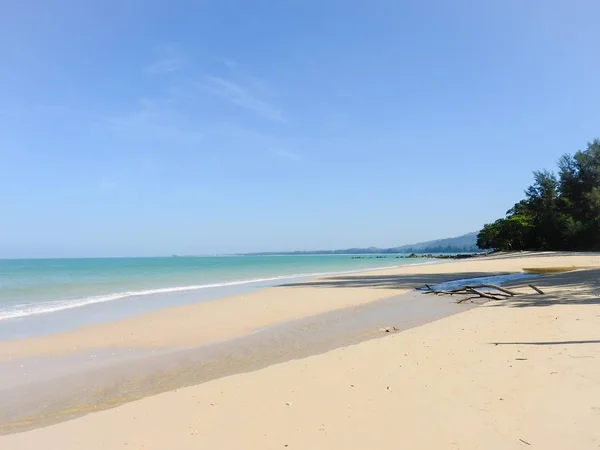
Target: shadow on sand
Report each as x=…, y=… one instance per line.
x=581, y=287
x=578, y=287
x=410, y=281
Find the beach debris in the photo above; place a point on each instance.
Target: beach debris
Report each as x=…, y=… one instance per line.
x=524, y=442
x=536, y=289
x=389, y=329
x=471, y=292
x=288, y=403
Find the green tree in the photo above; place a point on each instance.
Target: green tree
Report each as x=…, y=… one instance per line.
x=541, y=201
x=488, y=236
x=557, y=213
x=511, y=233
x=580, y=197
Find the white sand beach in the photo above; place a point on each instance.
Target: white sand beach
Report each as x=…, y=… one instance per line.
x=517, y=373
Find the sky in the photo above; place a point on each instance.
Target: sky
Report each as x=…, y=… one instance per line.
x=138, y=128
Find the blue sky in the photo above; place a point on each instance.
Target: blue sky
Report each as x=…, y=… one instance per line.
x=154, y=127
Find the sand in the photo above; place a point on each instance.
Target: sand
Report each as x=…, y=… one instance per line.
x=521, y=373
x=206, y=322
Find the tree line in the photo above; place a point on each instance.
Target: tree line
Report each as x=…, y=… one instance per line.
x=440, y=249
x=560, y=211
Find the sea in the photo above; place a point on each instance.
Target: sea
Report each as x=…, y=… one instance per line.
x=39, y=296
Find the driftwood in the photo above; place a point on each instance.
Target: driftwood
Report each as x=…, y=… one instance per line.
x=481, y=294
x=536, y=289
x=474, y=291
x=493, y=286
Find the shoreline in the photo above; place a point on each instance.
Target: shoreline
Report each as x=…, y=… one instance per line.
x=321, y=302
x=88, y=382
x=55, y=306
x=67, y=315
x=146, y=321
x=202, y=322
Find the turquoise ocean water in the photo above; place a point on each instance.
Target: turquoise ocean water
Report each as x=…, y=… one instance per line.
x=45, y=286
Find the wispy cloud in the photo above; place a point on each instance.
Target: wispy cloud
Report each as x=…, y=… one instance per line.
x=175, y=111
x=285, y=154
x=166, y=65
x=243, y=97
x=227, y=62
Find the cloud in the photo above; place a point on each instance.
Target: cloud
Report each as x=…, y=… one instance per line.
x=285, y=154
x=179, y=115
x=227, y=62
x=162, y=66
x=243, y=97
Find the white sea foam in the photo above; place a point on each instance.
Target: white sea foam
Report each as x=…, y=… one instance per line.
x=24, y=310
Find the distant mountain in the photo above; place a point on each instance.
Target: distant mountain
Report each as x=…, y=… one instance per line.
x=461, y=244
x=465, y=243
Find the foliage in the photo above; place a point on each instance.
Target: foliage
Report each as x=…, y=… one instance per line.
x=559, y=212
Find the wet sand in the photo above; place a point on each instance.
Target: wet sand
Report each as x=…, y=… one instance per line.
x=302, y=391
x=69, y=386
x=239, y=315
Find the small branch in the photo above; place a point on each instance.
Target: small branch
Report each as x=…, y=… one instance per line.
x=536, y=289
x=462, y=300
x=440, y=292
x=482, y=294
x=499, y=293
x=426, y=288
x=495, y=287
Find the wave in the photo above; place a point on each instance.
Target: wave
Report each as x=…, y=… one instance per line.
x=31, y=309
